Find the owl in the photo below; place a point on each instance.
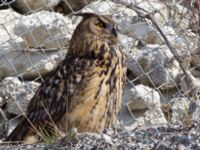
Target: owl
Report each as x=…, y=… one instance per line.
x=85, y=90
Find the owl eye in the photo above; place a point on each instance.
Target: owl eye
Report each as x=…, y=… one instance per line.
x=100, y=24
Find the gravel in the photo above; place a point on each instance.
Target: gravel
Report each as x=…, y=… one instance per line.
x=161, y=138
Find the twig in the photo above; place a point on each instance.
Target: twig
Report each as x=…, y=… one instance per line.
x=145, y=14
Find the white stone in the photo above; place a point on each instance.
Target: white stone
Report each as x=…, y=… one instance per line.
x=150, y=119
x=127, y=43
x=126, y=116
x=29, y=64
x=27, y=6
x=107, y=138
x=141, y=107
x=36, y=62
x=44, y=29
x=150, y=6
x=8, y=40
x=17, y=94
x=141, y=97
x=188, y=86
x=155, y=66
x=194, y=109
x=181, y=44
x=180, y=110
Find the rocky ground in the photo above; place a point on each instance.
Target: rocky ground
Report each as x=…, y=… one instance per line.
x=161, y=138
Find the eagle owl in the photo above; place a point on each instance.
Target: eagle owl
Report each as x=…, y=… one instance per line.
x=85, y=90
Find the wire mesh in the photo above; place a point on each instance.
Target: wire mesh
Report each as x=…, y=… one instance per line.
x=181, y=15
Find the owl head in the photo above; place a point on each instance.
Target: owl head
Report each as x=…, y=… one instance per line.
x=94, y=30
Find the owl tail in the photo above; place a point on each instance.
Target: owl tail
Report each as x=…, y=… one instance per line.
x=19, y=132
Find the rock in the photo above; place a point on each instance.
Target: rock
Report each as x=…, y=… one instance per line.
x=194, y=110
x=62, y=6
x=195, y=60
x=1, y=101
x=69, y=6
x=180, y=110
x=3, y=125
x=189, y=20
x=138, y=30
x=182, y=45
x=164, y=137
x=17, y=94
x=8, y=40
x=154, y=65
x=141, y=97
x=152, y=37
x=161, y=145
x=44, y=29
x=30, y=6
x=48, y=29
x=150, y=6
x=12, y=124
x=107, y=138
x=126, y=116
x=127, y=43
x=150, y=118
x=2, y=116
x=188, y=86
x=36, y=62
x=141, y=107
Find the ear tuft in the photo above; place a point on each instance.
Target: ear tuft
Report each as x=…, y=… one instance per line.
x=85, y=15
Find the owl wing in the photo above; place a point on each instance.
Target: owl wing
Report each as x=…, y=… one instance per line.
x=52, y=98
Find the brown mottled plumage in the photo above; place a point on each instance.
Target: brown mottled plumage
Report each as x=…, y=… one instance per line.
x=85, y=90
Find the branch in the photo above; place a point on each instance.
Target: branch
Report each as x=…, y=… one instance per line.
x=145, y=14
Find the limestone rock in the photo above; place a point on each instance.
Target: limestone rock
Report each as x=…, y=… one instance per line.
x=180, y=110
x=17, y=94
x=29, y=64
x=141, y=107
x=44, y=29
x=29, y=6
x=141, y=97
x=155, y=66
x=8, y=40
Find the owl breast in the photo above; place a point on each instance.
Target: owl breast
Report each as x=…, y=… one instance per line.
x=97, y=101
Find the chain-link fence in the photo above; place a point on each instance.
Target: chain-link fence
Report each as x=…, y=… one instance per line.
x=160, y=38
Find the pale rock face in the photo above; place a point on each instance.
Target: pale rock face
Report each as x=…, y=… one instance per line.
x=141, y=97
x=17, y=94
x=44, y=29
x=8, y=39
x=180, y=110
x=155, y=66
x=141, y=107
x=194, y=110
x=62, y=6
x=29, y=64
x=188, y=86
x=29, y=6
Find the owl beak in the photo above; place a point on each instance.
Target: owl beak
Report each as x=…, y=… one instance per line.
x=113, y=30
